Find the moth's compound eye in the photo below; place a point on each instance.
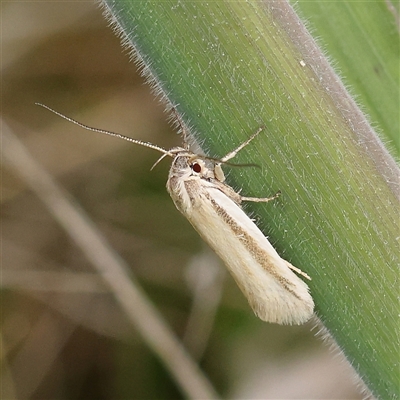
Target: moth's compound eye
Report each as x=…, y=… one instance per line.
x=196, y=167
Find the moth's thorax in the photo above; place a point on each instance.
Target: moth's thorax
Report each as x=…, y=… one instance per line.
x=188, y=174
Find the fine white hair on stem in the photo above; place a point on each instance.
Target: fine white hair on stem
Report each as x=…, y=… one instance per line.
x=113, y=270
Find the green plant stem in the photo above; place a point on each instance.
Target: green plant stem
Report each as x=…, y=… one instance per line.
x=230, y=67
x=362, y=39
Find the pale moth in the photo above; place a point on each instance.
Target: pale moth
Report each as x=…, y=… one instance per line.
x=197, y=188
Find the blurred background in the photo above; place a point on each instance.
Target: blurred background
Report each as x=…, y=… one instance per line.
x=63, y=334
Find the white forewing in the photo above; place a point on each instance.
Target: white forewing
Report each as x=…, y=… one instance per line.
x=274, y=292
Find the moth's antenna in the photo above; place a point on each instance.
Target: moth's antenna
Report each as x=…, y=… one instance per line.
x=185, y=131
x=109, y=133
x=230, y=164
x=159, y=160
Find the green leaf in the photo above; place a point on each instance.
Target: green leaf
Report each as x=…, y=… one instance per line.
x=362, y=40
x=230, y=67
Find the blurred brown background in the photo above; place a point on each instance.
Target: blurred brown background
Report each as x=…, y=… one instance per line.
x=63, y=334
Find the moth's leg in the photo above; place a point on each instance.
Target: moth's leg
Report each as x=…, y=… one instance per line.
x=298, y=270
x=261, y=199
x=234, y=152
x=219, y=173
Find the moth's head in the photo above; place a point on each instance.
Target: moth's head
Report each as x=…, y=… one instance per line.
x=188, y=165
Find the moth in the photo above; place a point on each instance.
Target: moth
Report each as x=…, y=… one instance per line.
x=196, y=184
